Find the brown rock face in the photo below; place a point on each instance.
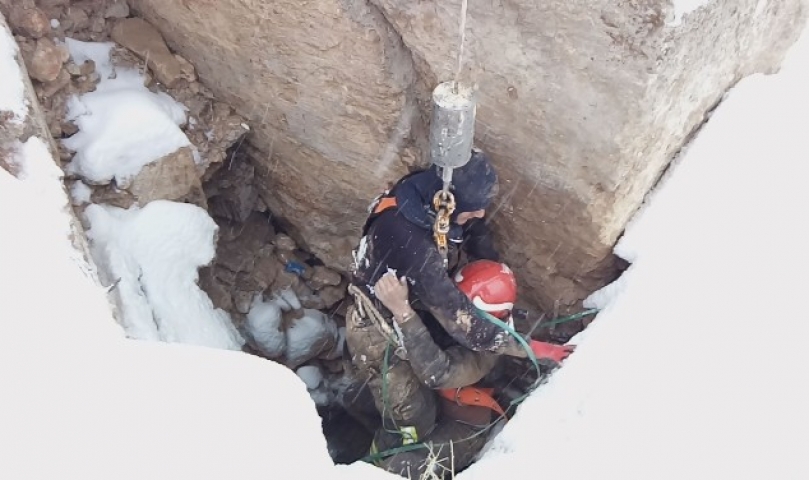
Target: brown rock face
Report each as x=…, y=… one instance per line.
x=581, y=106
x=147, y=43
x=46, y=61
x=173, y=177
x=31, y=22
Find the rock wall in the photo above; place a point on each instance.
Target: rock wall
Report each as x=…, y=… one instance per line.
x=582, y=104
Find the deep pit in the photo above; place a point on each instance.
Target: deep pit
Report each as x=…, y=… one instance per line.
x=288, y=306
x=260, y=270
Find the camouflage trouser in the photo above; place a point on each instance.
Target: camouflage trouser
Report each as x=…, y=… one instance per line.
x=408, y=408
x=410, y=411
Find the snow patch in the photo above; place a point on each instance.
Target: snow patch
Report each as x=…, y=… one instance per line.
x=154, y=253
x=684, y=7
x=122, y=125
x=290, y=300
x=265, y=325
x=304, y=332
x=12, y=89
x=760, y=6
x=98, y=52
x=48, y=292
x=80, y=193
x=310, y=375
x=98, y=405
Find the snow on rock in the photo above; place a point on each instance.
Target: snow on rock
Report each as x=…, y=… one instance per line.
x=684, y=7
x=80, y=193
x=290, y=299
x=122, y=125
x=696, y=367
x=155, y=251
x=40, y=270
x=310, y=375
x=12, y=90
x=98, y=52
x=265, y=325
x=98, y=405
x=308, y=336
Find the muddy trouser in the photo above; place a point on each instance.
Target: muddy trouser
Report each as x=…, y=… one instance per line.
x=409, y=410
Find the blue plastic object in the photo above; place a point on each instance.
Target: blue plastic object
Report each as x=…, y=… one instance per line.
x=295, y=267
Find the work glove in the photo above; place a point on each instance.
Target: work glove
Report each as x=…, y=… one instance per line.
x=550, y=351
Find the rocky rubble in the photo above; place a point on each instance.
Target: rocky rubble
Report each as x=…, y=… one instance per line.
x=256, y=263
x=41, y=28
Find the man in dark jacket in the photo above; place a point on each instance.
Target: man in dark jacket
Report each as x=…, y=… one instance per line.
x=405, y=359
x=399, y=237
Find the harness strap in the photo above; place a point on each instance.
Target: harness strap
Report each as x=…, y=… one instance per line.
x=473, y=397
x=383, y=204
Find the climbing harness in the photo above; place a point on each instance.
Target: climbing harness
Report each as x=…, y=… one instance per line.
x=376, y=456
x=365, y=311
x=444, y=205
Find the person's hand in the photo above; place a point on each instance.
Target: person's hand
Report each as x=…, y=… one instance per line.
x=550, y=351
x=393, y=293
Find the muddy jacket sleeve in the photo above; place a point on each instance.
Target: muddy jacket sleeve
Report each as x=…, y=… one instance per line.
x=454, y=367
x=437, y=293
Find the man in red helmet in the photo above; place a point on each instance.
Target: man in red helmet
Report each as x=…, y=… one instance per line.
x=398, y=237
x=424, y=391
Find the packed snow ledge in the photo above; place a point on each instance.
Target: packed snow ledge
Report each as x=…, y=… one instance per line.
x=695, y=368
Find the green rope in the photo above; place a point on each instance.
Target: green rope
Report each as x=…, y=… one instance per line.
x=569, y=318
x=525, y=346
x=496, y=321
x=530, y=354
x=372, y=458
x=385, y=368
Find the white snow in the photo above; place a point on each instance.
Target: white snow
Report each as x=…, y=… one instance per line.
x=305, y=331
x=40, y=271
x=760, y=6
x=155, y=251
x=82, y=401
x=80, y=193
x=122, y=125
x=98, y=52
x=684, y=7
x=264, y=323
x=290, y=299
x=696, y=367
x=55, y=23
x=310, y=375
x=12, y=90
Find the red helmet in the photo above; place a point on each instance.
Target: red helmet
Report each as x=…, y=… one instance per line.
x=490, y=285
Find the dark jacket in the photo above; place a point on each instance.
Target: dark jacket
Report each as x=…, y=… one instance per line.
x=394, y=241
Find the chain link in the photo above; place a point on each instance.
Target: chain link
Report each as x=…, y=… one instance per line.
x=444, y=205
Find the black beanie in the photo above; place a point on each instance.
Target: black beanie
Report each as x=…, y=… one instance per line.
x=475, y=184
